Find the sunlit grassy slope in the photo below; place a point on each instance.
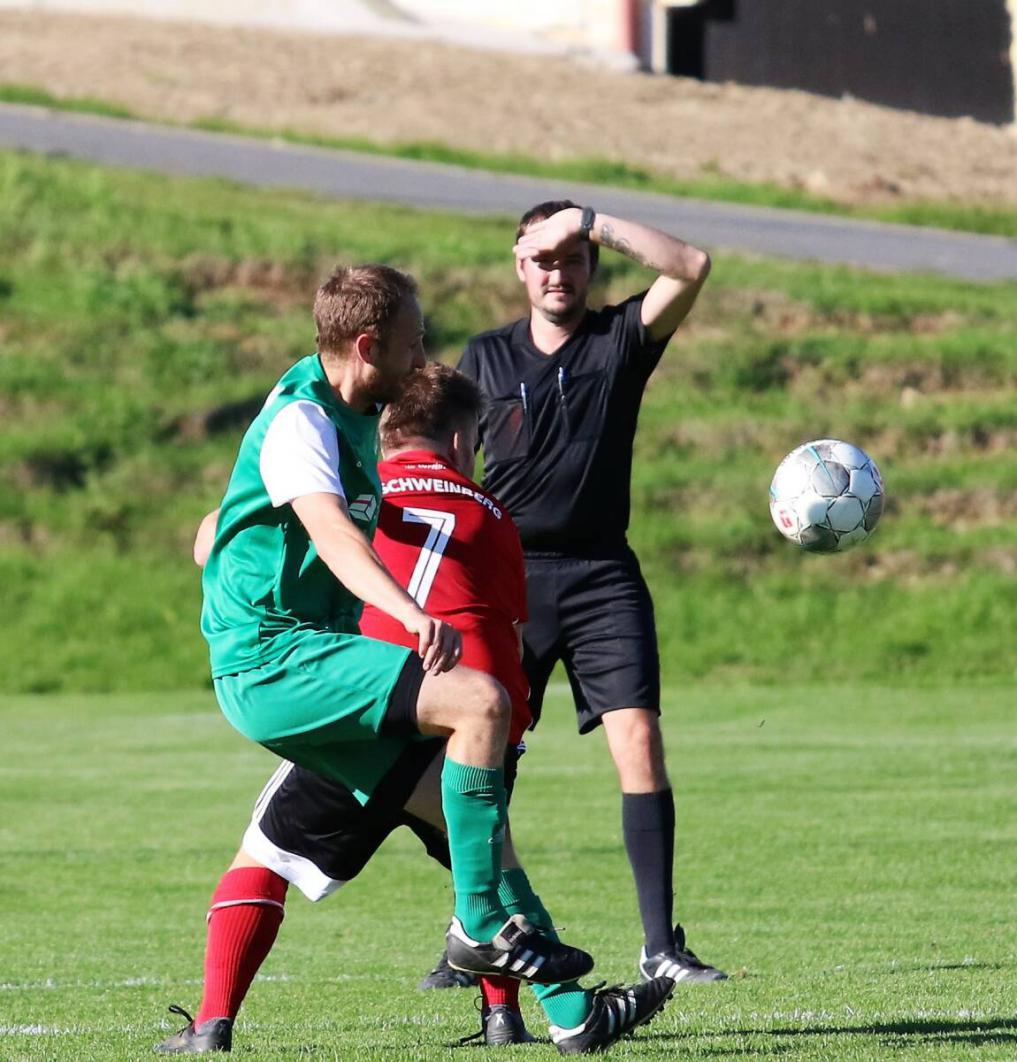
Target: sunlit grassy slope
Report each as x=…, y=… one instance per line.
x=143, y=318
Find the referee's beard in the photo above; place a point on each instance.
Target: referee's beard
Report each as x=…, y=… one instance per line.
x=567, y=316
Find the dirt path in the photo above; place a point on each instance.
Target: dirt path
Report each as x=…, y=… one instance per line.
x=396, y=91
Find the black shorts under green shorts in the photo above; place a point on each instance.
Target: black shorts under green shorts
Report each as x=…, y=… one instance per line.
x=338, y=704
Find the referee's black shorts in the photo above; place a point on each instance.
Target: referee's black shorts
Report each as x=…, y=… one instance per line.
x=596, y=616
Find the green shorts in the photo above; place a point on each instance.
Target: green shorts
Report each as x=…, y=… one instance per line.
x=324, y=703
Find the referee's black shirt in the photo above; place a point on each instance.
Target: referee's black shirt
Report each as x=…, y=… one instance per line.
x=558, y=429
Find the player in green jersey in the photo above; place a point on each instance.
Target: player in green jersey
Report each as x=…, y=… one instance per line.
x=289, y=567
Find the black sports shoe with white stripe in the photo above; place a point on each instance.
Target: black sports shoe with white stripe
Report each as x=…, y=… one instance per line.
x=216, y=1034
x=679, y=963
x=616, y=1012
x=518, y=950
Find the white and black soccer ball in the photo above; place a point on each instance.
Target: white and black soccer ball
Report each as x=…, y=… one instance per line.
x=826, y=496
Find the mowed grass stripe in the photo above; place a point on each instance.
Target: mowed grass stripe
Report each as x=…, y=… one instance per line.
x=844, y=853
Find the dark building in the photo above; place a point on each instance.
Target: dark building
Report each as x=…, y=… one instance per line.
x=946, y=57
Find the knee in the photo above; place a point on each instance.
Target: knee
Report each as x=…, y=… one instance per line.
x=483, y=702
x=637, y=747
x=636, y=729
x=491, y=701
x=648, y=744
x=649, y=737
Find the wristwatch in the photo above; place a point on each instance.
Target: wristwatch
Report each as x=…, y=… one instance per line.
x=586, y=222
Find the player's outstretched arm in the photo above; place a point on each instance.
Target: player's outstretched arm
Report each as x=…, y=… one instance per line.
x=352, y=560
x=683, y=268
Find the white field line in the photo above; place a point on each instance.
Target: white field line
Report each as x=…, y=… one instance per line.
x=50, y=984
x=42, y=1030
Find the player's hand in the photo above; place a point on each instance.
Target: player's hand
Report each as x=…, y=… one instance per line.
x=550, y=236
x=439, y=645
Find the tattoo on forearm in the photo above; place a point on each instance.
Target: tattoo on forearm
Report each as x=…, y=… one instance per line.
x=620, y=244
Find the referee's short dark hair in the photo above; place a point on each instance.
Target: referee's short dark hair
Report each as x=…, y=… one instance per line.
x=437, y=402
x=542, y=211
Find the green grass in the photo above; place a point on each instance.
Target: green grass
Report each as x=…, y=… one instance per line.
x=144, y=318
x=39, y=97
x=844, y=851
x=973, y=217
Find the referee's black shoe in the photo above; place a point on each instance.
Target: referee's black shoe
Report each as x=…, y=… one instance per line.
x=216, y=1034
x=616, y=1012
x=680, y=963
x=518, y=950
x=443, y=976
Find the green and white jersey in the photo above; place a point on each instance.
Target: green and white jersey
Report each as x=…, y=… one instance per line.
x=264, y=582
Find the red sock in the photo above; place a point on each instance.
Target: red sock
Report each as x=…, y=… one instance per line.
x=503, y=991
x=243, y=920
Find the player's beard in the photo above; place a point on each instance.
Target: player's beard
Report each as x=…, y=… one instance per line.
x=386, y=388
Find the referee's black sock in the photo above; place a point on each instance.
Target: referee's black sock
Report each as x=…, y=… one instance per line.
x=648, y=828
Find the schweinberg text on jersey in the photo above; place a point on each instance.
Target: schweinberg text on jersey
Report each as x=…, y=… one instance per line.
x=437, y=485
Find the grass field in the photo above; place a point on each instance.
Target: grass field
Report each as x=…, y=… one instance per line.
x=845, y=852
x=143, y=319
x=841, y=730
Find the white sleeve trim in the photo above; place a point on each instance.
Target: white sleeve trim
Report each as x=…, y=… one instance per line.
x=300, y=454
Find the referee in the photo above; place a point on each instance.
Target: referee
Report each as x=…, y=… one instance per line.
x=564, y=387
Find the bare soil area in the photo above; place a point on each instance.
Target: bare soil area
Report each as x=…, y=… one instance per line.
x=396, y=91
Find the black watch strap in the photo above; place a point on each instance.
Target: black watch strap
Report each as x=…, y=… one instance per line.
x=586, y=222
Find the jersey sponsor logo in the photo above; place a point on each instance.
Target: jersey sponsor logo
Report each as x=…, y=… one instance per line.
x=436, y=485
x=364, y=508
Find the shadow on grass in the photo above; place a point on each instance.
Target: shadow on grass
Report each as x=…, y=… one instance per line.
x=902, y=1034
x=957, y=966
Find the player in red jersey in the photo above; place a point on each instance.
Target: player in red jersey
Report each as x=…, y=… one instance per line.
x=452, y=545
x=437, y=522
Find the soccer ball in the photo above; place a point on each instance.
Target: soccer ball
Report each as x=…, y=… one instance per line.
x=826, y=495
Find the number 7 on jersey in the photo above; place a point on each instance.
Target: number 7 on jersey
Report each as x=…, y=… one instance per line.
x=441, y=526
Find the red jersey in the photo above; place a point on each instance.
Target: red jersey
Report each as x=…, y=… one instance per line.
x=457, y=552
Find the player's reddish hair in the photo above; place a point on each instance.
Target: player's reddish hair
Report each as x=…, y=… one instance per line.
x=542, y=211
x=357, y=299
x=437, y=402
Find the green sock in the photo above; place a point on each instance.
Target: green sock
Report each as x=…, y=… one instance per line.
x=566, y=1005
x=474, y=802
